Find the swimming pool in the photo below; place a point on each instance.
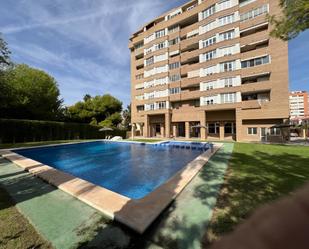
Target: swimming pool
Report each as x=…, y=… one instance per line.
x=130, y=169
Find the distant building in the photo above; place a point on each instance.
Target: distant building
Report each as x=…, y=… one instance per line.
x=299, y=102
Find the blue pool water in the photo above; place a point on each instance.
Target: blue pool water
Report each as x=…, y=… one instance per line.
x=132, y=170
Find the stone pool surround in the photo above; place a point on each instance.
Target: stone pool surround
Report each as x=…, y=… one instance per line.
x=136, y=214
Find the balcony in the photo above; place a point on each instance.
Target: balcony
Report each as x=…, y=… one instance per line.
x=184, y=31
x=139, y=51
x=253, y=22
x=252, y=38
x=251, y=104
x=187, y=82
x=139, y=62
x=257, y=70
x=220, y=106
x=184, y=69
x=256, y=87
x=255, y=53
x=189, y=67
x=174, y=97
x=190, y=42
x=189, y=95
x=190, y=56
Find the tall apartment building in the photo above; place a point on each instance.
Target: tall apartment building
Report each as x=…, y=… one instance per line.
x=299, y=102
x=209, y=69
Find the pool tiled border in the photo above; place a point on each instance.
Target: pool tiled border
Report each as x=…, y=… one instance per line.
x=136, y=214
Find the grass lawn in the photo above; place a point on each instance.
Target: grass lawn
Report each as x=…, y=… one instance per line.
x=29, y=144
x=15, y=230
x=257, y=174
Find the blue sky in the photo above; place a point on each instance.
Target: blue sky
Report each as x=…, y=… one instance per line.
x=84, y=43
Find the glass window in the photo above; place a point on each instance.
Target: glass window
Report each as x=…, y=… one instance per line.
x=209, y=42
x=160, y=33
x=160, y=45
x=210, y=86
x=174, y=77
x=174, y=65
x=209, y=56
x=226, y=20
x=275, y=131
x=173, y=29
x=210, y=70
x=225, y=4
x=162, y=105
x=209, y=11
x=265, y=59
x=258, y=61
x=139, y=45
x=254, y=13
x=264, y=132
x=255, y=62
x=174, y=41
x=175, y=90
x=228, y=82
x=252, y=131
x=229, y=128
x=149, y=61
x=213, y=128
x=139, y=76
x=227, y=35
x=227, y=66
x=228, y=98
x=209, y=26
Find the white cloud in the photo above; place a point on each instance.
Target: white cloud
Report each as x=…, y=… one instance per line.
x=90, y=51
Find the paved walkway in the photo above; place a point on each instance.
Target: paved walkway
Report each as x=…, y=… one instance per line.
x=68, y=222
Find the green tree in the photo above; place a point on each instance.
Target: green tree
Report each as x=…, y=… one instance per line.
x=127, y=118
x=98, y=108
x=295, y=19
x=33, y=94
x=112, y=121
x=87, y=97
x=5, y=63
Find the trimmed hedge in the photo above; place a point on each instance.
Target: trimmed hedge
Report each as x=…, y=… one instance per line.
x=15, y=131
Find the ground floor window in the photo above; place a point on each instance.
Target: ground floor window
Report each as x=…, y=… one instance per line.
x=270, y=131
x=275, y=131
x=252, y=131
x=230, y=128
x=213, y=128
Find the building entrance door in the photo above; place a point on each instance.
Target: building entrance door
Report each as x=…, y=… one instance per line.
x=181, y=130
x=157, y=130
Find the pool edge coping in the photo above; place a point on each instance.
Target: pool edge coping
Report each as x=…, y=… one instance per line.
x=137, y=214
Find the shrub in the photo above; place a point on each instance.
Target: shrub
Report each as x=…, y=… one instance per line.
x=14, y=131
